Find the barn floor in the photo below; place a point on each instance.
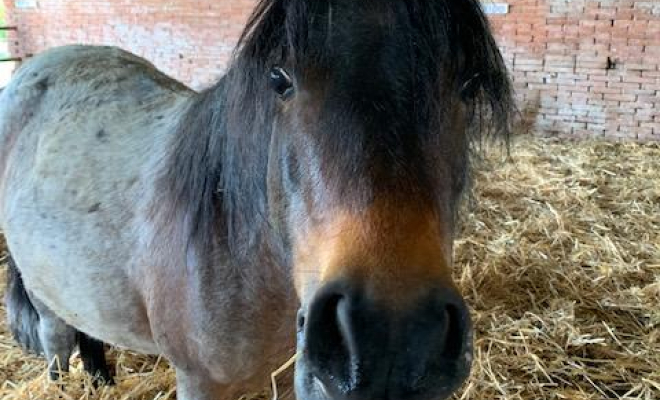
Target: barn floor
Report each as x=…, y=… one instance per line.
x=559, y=259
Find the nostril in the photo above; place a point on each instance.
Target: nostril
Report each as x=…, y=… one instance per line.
x=300, y=322
x=326, y=348
x=455, y=329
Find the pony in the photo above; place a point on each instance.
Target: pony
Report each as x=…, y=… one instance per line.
x=305, y=203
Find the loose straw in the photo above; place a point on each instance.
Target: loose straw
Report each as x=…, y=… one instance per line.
x=279, y=371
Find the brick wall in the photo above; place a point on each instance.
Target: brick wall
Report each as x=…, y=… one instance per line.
x=581, y=67
x=191, y=40
x=586, y=68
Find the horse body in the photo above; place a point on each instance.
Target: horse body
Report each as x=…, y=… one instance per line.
x=85, y=132
x=57, y=172
x=317, y=181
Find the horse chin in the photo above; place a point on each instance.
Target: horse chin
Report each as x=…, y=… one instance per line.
x=317, y=391
x=309, y=387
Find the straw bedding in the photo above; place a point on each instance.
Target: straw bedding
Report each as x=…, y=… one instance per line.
x=559, y=258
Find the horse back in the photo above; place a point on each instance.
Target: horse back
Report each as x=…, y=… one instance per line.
x=67, y=93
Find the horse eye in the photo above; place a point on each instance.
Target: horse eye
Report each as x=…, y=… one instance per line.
x=281, y=82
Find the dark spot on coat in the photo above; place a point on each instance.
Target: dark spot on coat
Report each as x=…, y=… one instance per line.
x=102, y=135
x=94, y=208
x=42, y=84
x=132, y=182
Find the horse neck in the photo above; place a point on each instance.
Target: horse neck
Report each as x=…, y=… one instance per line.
x=214, y=187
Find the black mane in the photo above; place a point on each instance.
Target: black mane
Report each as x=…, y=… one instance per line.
x=217, y=175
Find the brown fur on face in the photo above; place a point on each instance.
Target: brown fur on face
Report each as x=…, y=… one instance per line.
x=395, y=250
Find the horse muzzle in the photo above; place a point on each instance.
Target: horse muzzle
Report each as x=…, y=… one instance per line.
x=351, y=347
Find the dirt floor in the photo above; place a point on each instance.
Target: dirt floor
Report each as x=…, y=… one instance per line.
x=559, y=259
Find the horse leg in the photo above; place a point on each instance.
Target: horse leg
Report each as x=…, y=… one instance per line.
x=57, y=339
x=190, y=386
x=34, y=326
x=22, y=317
x=92, y=352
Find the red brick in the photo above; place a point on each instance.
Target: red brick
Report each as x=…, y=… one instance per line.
x=655, y=126
x=606, y=90
x=646, y=136
x=620, y=97
x=558, y=59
